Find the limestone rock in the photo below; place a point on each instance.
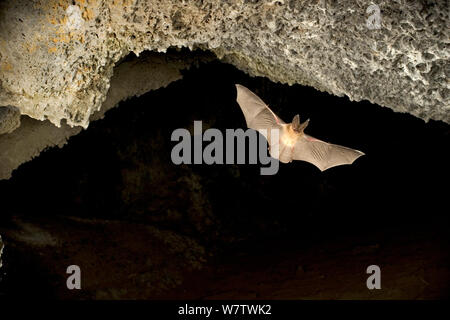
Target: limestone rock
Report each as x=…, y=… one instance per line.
x=57, y=57
x=131, y=78
x=9, y=119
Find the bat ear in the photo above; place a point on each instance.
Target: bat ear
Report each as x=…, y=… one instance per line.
x=296, y=123
x=304, y=125
x=297, y=126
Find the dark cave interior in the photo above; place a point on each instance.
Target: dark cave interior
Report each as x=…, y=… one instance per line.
x=300, y=233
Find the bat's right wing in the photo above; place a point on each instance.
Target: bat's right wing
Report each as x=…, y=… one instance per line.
x=322, y=154
x=257, y=113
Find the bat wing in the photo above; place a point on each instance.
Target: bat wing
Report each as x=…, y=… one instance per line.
x=257, y=113
x=322, y=154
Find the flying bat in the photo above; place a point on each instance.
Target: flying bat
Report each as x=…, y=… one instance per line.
x=293, y=143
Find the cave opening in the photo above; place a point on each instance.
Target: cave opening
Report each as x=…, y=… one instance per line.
x=117, y=177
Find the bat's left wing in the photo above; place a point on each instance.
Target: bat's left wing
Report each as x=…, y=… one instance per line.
x=322, y=154
x=257, y=114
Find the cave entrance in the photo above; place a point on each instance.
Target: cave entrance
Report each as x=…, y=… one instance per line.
x=113, y=200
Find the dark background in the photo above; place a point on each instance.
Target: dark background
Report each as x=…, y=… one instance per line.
x=389, y=202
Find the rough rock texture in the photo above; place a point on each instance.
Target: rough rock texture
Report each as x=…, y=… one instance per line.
x=9, y=119
x=57, y=57
x=132, y=77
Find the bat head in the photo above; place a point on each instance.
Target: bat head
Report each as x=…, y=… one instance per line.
x=297, y=126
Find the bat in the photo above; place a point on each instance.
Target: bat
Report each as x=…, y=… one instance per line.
x=293, y=143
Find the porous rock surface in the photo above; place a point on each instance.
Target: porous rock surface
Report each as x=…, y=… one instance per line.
x=132, y=77
x=9, y=119
x=57, y=56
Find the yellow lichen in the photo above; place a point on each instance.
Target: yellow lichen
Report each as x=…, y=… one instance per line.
x=123, y=3
x=62, y=38
x=6, y=66
x=88, y=14
x=63, y=20
x=31, y=48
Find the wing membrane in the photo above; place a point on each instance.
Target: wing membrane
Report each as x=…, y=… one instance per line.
x=322, y=154
x=257, y=114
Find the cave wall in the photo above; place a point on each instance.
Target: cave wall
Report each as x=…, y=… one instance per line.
x=9, y=119
x=113, y=202
x=57, y=57
x=132, y=77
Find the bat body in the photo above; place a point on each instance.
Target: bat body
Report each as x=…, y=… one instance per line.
x=293, y=143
